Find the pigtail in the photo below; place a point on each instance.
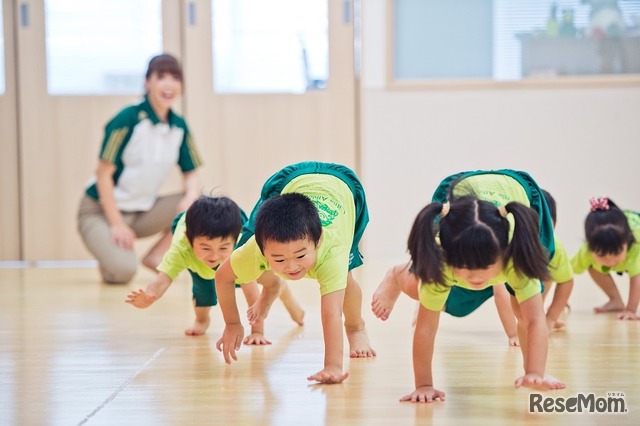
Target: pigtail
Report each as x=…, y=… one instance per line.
x=426, y=254
x=528, y=255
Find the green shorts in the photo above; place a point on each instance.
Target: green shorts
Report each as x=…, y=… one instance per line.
x=276, y=183
x=462, y=301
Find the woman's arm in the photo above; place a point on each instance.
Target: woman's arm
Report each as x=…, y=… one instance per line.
x=121, y=234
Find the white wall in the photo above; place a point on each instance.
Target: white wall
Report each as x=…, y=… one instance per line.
x=576, y=142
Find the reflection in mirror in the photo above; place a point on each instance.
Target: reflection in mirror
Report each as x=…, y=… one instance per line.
x=279, y=46
x=100, y=47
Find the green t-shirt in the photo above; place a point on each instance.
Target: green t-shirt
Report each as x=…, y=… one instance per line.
x=584, y=260
x=335, y=204
x=180, y=256
x=144, y=151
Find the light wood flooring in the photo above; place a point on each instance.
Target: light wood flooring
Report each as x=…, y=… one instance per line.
x=73, y=353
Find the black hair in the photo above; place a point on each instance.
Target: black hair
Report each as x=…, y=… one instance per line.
x=551, y=203
x=213, y=217
x=162, y=64
x=287, y=217
x=474, y=235
x=608, y=230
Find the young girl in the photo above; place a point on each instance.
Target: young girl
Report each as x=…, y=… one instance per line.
x=611, y=236
x=494, y=228
x=141, y=146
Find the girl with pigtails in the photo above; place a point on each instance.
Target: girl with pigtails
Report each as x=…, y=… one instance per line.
x=483, y=229
x=611, y=246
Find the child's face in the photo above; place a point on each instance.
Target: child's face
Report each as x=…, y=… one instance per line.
x=610, y=260
x=478, y=278
x=293, y=259
x=212, y=252
x=163, y=89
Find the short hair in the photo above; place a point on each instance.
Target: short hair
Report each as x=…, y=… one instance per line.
x=213, y=217
x=607, y=231
x=287, y=217
x=551, y=203
x=162, y=64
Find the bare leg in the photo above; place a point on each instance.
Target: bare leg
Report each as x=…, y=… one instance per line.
x=154, y=256
x=291, y=304
x=606, y=283
x=397, y=280
x=353, y=322
x=201, y=323
x=502, y=299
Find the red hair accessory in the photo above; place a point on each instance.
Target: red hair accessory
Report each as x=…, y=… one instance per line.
x=599, y=203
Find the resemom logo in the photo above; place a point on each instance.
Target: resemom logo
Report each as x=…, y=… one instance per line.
x=611, y=402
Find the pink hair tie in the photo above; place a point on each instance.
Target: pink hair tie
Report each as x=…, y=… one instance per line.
x=599, y=203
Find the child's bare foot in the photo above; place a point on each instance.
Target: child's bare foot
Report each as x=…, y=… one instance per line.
x=385, y=296
x=292, y=306
x=533, y=381
x=359, y=346
x=610, y=306
x=198, y=328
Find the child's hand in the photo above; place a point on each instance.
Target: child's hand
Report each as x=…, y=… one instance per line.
x=424, y=394
x=628, y=315
x=256, y=339
x=230, y=341
x=329, y=376
x=535, y=381
x=514, y=341
x=140, y=299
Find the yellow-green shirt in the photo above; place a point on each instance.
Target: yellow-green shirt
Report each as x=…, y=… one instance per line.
x=335, y=204
x=434, y=297
x=560, y=266
x=584, y=260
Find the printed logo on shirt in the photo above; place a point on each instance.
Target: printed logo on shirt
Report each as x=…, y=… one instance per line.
x=326, y=214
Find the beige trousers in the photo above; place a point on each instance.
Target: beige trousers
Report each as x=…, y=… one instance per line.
x=118, y=265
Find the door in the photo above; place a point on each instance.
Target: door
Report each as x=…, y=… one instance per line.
x=9, y=198
x=246, y=133
x=63, y=108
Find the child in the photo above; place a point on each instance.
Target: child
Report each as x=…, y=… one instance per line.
x=308, y=223
x=203, y=238
x=141, y=146
x=561, y=273
x=611, y=245
x=485, y=234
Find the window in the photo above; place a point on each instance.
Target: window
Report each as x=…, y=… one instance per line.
x=279, y=46
x=100, y=47
x=514, y=39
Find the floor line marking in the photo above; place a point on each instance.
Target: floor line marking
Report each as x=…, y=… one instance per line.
x=122, y=386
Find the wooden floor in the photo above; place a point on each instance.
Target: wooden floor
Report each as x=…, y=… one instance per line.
x=72, y=353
